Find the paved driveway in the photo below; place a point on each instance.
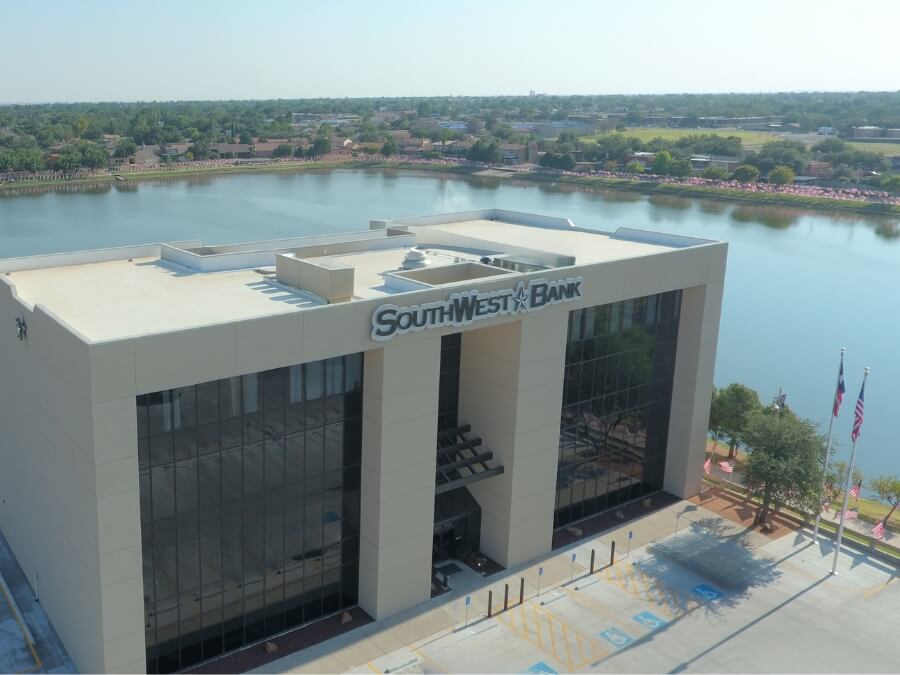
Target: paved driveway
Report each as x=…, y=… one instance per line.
x=712, y=597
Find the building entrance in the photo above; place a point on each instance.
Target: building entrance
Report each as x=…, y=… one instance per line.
x=457, y=525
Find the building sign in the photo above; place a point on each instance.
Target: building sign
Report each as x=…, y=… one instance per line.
x=466, y=307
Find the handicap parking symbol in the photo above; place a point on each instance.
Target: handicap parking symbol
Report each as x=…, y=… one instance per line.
x=616, y=637
x=649, y=620
x=705, y=592
x=541, y=668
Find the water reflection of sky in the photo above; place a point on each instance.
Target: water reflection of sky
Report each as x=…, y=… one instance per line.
x=800, y=283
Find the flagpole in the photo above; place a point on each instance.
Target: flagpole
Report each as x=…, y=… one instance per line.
x=840, y=534
x=827, y=451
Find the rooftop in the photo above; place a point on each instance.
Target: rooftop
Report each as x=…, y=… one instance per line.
x=112, y=294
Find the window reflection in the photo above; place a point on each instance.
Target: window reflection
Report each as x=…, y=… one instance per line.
x=249, y=493
x=620, y=360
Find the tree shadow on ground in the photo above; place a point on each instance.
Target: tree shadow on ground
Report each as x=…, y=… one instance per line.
x=712, y=549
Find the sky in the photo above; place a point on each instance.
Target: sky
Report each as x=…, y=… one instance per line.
x=93, y=50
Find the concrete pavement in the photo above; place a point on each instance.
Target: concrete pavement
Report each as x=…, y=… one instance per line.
x=713, y=597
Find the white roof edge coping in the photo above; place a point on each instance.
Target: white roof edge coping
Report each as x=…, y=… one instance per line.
x=287, y=242
x=501, y=215
x=68, y=258
x=640, y=236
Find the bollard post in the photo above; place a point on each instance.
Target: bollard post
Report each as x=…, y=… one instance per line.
x=490, y=602
x=593, y=553
x=612, y=554
x=521, y=590
x=505, y=597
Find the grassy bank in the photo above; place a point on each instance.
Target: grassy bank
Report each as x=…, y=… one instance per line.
x=726, y=194
x=870, y=510
x=702, y=191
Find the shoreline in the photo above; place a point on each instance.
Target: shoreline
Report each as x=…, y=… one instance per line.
x=858, y=207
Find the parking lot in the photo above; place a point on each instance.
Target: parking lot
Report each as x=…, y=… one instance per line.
x=713, y=597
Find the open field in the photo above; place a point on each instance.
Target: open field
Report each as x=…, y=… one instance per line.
x=750, y=139
x=887, y=149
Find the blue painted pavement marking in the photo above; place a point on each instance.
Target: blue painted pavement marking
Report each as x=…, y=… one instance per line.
x=706, y=592
x=540, y=668
x=616, y=637
x=649, y=620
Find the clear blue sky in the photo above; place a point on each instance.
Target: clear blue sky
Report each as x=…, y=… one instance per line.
x=92, y=50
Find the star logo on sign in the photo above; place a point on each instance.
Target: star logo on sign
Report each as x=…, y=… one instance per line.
x=520, y=298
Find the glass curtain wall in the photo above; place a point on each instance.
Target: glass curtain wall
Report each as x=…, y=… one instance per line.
x=620, y=360
x=249, y=493
x=448, y=392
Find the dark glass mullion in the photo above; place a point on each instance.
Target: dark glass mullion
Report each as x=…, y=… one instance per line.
x=153, y=567
x=243, y=524
x=175, y=520
x=286, y=398
x=221, y=521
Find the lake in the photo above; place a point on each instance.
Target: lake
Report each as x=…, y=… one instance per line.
x=800, y=284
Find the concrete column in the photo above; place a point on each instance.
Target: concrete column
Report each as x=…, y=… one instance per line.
x=400, y=400
x=695, y=361
x=511, y=393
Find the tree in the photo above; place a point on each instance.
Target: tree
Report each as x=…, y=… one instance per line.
x=125, y=148
x=732, y=407
x=283, y=150
x=680, y=168
x=483, y=151
x=557, y=160
x=785, y=462
x=390, y=147
x=781, y=175
x=836, y=477
x=888, y=490
x=634, y=167
x=662, y=162
x=199, y=149
x=792, y=154
x=321, y=146
x=746, y=173
x=714, y=173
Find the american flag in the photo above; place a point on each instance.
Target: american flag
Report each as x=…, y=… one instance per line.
x=878, y=531
x=839, y=392
x=849, y=515
x=858, y=417
x=854, y=491
x=726, y=467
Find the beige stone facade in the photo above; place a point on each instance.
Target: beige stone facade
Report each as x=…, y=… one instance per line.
x=105, y=327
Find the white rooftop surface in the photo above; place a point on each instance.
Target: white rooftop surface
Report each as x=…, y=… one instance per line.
x=584, y=246
x=369, y=266
x=118, y=299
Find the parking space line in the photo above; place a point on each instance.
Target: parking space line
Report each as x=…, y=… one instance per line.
x=566, y=642
x=552, y=634
x=872, y=592
x=537, y=627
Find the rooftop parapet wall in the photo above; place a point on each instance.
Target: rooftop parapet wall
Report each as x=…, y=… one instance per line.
x=262, y=254
x=36, y=262
x=502, y=215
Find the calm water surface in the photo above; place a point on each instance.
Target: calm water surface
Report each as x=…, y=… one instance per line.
x=800, y=284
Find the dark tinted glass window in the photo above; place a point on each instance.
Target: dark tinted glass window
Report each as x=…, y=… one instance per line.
x=249, y=493
x=620, y=360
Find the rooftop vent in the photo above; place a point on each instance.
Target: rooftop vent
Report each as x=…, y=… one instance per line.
x=415, y=259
